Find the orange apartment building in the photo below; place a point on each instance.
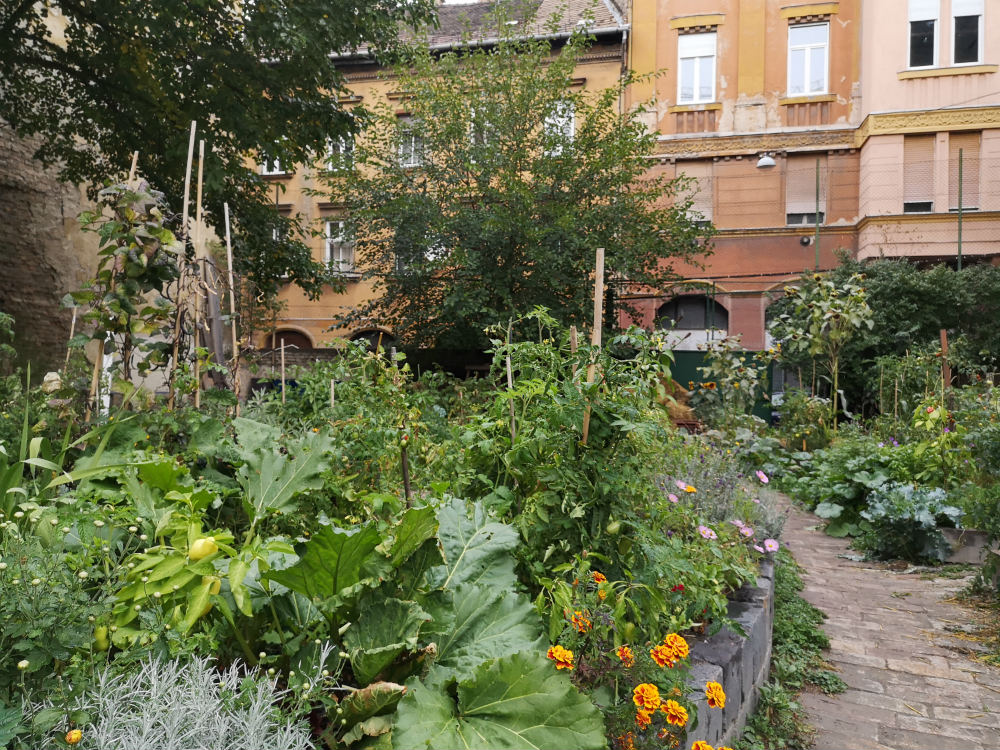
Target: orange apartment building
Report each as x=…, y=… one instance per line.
x=853, y=112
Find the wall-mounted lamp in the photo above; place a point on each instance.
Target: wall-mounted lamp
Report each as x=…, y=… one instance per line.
x=766, y=161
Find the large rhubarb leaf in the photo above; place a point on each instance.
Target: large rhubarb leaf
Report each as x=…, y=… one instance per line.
x=476, y=550
x=271, y=479
x=474, y=624
x=385, y=629
x=333, y=562
x=518, y=701
x=415, y=527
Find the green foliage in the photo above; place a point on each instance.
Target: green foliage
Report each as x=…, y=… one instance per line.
x=904, y=523
x=456, y=207
x=259, y=78
x=804, y=420
x=734, y=380
x=819, y=318
x=513, y=702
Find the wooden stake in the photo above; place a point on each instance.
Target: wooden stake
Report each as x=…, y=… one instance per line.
x=573, y=340
x=282, y=369
x=895, y=400
x=95, y=381
x=595, y=336
x=405, y=465
x=72, y=332
x=131, y=172
x=333, y=393
x=171, y=398
x=232, y=311
x=945, y=367
x=198, y=251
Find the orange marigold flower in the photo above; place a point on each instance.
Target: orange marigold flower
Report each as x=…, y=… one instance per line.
x=626, y=655
x=580, y=622
x=73, y=736
x=599, y=577
x=662, y=655
x=563, y=657
x=627, y=741
x=676, y=713
x=677, y=645
x=602, y=595
x=701, y=745
x=715, y=695
x=643, y=718
x=646, y=696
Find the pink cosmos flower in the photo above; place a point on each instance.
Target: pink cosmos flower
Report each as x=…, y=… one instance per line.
x=738, y=523
x=672, y=497
x=762, y=477
x=758, y=548
x=756, y=500
x=746, y=531
x=707, y=533
x=681, y=485
x=770, y=545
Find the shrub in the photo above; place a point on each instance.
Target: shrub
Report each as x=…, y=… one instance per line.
x=904, y=522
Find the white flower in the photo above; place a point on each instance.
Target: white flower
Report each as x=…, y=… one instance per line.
x=23, y=664
x=82, y=574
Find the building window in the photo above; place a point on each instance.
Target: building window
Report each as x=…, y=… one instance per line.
x=696, y=68
x=339, y=254
x=692, y=312
x=967, y=23
x=918, y=174
x=800, y=191
x=559, y=127
x=271, y=167
x=968, y=145
x=411, y=144
x=808, y=59
x=340, y=153
x=923, y=33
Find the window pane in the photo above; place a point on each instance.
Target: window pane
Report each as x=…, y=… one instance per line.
x=706, y=78
x=797, y=71
x=817, y=70
x=807, y=34
x=686, y=86
x=966, y=39
x=921, y=43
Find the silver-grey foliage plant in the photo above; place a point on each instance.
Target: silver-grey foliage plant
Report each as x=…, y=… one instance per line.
x=188, y=705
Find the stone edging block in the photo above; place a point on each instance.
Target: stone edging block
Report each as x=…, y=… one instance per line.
x=740, y=664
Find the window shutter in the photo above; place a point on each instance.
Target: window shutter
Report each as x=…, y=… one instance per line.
x=800, y=185
x=918, y=168
x=924, y=10
x=696, y=45
x=969, y=143
x=966, y=7
x=702, y=187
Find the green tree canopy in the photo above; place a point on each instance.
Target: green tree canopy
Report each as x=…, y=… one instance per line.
x=100, y=79
x=492, y=195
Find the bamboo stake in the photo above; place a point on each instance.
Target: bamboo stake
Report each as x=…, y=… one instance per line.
x=180, y=278
x=895, y=400
x=198, y=250
x=72, y=332
x=232, y=311
x=595, y=336
x=333, y=393
x=282, y=369
x=945, y=367
x=131, y=172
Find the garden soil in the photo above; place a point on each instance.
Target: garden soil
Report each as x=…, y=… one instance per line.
x=895, y=639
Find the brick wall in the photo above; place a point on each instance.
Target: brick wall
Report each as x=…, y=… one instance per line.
x=44, y=253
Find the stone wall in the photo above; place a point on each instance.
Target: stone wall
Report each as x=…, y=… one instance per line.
x=740, y=664
x=45, y=255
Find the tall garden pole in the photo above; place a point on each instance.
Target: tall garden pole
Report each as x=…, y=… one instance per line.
x=232, y=311
x=197, y=290
x=595, y=336
x=181, y=267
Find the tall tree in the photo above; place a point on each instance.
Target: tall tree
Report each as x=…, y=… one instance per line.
x=99, y=79
x=491, y=196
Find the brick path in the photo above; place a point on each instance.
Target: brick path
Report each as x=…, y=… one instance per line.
x=907, y=690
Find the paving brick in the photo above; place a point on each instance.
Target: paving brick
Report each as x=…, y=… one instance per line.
x=905, y=739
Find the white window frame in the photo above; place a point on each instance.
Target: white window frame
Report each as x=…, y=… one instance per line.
x=924, y=10
x=560, y=124
x=694, y=48
x=339, y=153
x=336, y=234
x=272, y=168
x=807, y=50
x=411, y=145
x=960, y=9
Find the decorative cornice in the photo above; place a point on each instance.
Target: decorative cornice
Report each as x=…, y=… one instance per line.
x=704, y=20
x=701, y=146
x=937, y=218
x=812, y=9
x=798, y=230
x=695, y=107
x=960, y=70
x=807, y=99
x=927, y=121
